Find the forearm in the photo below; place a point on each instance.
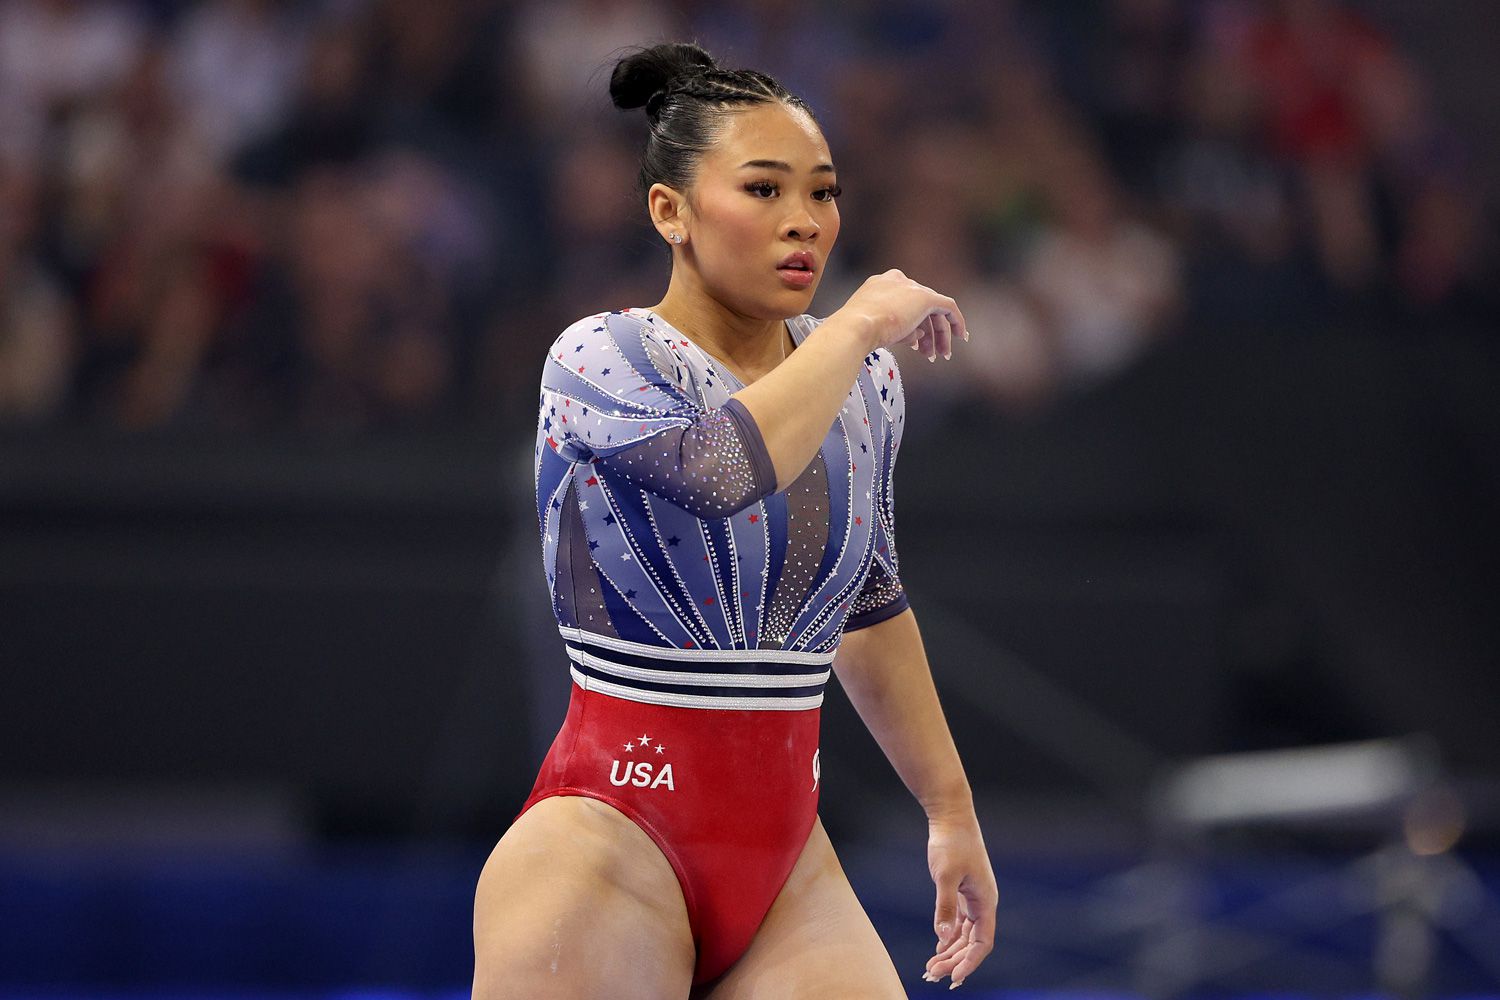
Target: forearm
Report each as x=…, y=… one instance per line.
x=884, y=670
x=795, y=404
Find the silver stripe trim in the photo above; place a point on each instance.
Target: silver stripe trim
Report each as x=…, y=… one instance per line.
x=699, y=655
x=704, y=680
x=694, y=700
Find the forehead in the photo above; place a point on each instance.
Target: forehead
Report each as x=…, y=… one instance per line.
x=768, y=132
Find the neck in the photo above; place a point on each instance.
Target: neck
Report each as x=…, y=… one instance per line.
x=749, y=345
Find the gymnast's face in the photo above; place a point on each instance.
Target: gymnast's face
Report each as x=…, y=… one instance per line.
x=763, y=191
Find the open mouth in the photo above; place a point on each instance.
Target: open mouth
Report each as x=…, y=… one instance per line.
x=800, y=260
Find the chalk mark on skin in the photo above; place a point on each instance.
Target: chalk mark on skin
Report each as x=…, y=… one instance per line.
x=556, y=943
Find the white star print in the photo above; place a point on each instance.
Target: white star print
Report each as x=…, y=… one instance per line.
x=630, y=748
x=645, y=741
x=660, y=748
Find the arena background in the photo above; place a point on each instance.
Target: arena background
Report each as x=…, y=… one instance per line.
x=1217, y=476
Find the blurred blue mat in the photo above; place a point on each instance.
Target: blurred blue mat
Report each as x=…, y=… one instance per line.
x=381, y=923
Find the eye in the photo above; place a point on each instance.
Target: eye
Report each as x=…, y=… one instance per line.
x=756, y=186
x=832, y=192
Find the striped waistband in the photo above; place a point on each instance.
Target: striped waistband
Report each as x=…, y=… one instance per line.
x=735, y=679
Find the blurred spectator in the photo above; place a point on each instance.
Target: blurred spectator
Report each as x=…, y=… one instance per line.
x=54, y=56
x=234, y=63
x=567, y=67
x=36, y=319
x=1104, y=283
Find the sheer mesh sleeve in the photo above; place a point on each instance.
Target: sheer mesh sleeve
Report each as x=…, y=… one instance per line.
x=880, y=598
x=616, y=393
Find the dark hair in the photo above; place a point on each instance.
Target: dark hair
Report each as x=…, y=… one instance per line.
x=685, y=93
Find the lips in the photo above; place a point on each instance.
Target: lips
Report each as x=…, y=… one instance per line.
x=799, y=260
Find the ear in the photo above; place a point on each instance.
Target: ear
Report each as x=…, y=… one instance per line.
x=669, y=210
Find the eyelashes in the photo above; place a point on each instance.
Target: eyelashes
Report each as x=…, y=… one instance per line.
x=833, y=191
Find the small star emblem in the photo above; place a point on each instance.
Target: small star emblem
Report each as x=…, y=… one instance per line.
x=630, y=748
x=660, y=748
x=645, y=741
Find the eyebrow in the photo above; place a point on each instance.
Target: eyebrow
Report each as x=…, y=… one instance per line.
x=822, y=168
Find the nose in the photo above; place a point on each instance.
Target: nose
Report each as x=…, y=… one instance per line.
x=801, y=227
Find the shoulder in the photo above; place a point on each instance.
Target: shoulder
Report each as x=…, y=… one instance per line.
x=596, y=328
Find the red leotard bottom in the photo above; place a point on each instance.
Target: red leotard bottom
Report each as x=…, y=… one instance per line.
x=729, y=796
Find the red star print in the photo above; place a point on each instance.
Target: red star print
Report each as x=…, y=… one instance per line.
x=853, y=467
x=891, y=373
x=564, y=418
x=859, y=520
x=591, y=481
x=551, y=442
x=708, y=600
x=754, y=518
x=567, y=402
x=580, y=369
x=688, y=644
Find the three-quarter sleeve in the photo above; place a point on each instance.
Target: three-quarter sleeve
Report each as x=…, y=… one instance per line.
x=617, y=394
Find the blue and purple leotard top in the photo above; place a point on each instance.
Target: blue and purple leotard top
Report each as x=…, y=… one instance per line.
x=679, y=574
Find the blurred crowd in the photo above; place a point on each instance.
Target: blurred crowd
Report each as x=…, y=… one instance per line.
x=345, y=215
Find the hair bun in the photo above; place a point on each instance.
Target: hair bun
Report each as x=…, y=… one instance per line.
x=646, y=73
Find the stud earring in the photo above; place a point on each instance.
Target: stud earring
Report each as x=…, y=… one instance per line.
x=676, y=237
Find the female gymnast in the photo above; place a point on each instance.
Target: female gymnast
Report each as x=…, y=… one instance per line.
x=714, y=497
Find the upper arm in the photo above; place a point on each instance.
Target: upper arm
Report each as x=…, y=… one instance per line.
x=615, y=394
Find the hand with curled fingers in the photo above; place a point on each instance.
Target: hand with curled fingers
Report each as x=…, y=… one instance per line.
x=966, y=898
x=899, y=310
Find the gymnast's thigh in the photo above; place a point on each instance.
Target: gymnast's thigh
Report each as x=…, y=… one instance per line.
x=577, y=902
x=816, y=942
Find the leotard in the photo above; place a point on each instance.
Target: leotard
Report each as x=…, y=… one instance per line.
x=700, y=608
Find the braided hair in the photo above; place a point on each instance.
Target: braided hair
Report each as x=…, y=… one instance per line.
x=685, y=94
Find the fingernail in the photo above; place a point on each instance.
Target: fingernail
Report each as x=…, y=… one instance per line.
x=914, y=347
x=956, y=984
x=947, y=355
x=966, y=336
x=932, y=357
